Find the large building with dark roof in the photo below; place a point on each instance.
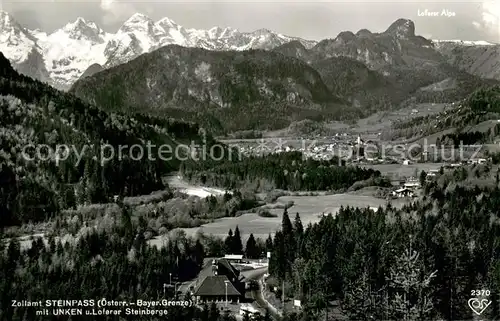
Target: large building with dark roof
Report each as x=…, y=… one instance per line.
x=219, y=280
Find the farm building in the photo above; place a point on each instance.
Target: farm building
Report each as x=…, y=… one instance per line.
x=477, y=161
x=246, y=308
x=430, y=176
x=411, y=184
x=454, y=165
x=216, y=288
x=403, y=192
x=233, y=257
x=221, y=280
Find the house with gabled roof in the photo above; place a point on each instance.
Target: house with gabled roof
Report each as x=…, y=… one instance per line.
x=223, y=278
x=216, y=288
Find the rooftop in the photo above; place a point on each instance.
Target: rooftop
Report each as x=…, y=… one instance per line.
x=216, y=286
x=229, y=267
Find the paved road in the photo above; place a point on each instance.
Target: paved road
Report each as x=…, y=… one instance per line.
x=258, y=275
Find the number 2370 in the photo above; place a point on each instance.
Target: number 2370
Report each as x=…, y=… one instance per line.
x=480, y=292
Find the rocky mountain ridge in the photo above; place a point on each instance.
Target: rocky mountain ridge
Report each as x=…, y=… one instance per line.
x=350, y=76
x=208, y=86
x=61, y=57
x=475, y=57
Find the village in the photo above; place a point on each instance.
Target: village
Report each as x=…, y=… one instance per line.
x=354, y=150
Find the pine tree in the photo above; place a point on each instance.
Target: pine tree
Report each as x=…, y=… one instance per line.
x=199, y=253
x=251, y=250
x=269, y=243
x=297, y=226
x=277, y=264
x=288, y=241
x=228, y=242
x=411, y=291
x=126, y=222
x=237, y=244
x=360, y=302
x=299, y=233
x=423, y=176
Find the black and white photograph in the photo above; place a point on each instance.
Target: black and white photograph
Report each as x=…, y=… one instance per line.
x=249, y=161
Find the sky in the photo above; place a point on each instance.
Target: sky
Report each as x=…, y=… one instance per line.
x=315, y=20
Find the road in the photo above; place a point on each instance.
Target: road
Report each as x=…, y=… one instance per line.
x=258, y=275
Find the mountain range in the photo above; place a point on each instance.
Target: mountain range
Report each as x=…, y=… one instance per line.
x=61, y=57
x=159, y=68
x=349, y=76
x=82, y=48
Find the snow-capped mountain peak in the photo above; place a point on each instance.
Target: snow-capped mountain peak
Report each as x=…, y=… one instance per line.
x=66, y=53
x=138, y=17
x=138, y=22
x=143, y=29
x=218, y=32
x=15, y=42
x=262, y=32
x=80, y=23
x=138, y=35
x=82, y=29
x=167, y=22
x=7, y=21
x=465, y=42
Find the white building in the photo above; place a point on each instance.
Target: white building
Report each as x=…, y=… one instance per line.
x=233, y=257
x=477, y=161
x=411, y=184
x=247, y=308
x=403, y=192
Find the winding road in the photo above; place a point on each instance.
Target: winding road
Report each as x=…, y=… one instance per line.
x=257, y=294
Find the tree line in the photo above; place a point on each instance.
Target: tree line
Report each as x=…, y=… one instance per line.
x=116, y=264
x=34, y=114
x=287, y=170
x=420, y=262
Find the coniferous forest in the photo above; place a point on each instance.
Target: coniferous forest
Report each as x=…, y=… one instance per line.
x=117, y=265
x=33, y=114
x=287, y=170
x=423, y=261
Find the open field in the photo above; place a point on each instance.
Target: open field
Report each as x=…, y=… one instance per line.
x=430, y=139
x=25, y=241
x=483, y=127
x=310, y=209
x=383, y=120
x=177, y=183
x=399, y=170
x=369, y=127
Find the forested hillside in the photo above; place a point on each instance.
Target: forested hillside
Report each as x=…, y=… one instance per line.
x=288, y=171
x=114, y=262
x=418, y=263
x=215, y=88
x=482, y=105
x=33, y=114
